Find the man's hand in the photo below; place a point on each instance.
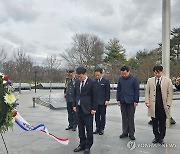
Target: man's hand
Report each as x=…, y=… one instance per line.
x=118, y=103
x=148, y=105
x=93, y=111
x=135, y=104
x=74, y=108
x=106, y=102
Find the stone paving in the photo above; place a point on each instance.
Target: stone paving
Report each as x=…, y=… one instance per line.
x=20, y=142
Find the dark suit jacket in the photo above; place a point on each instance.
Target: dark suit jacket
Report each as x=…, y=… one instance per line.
x=128, y=90
x=88, y=96
x=177, y=86
x=103, y=91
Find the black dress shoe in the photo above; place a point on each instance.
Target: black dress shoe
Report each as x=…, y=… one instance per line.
x=74, y=129
x=132, y=137
x=123, y=135
x=68, y=128
x=79, y=148
x=161, y=141
x=86, y=151
x=150, y=122
x=96, y=131
x=101, y=132
x=155, y=140
x=172, y=121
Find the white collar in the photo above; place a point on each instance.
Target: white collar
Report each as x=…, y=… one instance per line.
x=85, y=80
x=160, y=79
x=100, y=79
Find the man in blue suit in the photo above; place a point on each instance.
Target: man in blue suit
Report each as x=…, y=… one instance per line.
x=86, y=104
x=103, y=101
x=127, y=98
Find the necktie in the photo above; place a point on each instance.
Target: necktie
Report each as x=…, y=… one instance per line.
x=82, y=85
x=157, y=82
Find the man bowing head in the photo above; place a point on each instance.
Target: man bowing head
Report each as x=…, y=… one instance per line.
x=86, y=104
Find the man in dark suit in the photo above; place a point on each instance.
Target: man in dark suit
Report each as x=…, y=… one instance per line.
x=103, y=101
x=86, y=104
x=127, y=98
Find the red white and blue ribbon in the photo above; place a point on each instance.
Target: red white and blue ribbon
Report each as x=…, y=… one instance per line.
x=41, y=127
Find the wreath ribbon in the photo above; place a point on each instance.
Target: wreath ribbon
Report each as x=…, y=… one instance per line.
x=23, y=124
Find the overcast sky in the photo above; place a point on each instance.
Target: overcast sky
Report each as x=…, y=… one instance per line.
x=43, y=27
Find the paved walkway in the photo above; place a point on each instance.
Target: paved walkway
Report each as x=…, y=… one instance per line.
x=20, y=142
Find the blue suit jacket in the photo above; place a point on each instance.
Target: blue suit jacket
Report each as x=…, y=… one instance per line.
x=128, y=90
x=103, y=91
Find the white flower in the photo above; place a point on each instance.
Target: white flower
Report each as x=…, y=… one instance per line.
x=11, y=88
x=9, y=98
x=4, y=82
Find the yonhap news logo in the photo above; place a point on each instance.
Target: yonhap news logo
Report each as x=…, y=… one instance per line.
x=131, y=145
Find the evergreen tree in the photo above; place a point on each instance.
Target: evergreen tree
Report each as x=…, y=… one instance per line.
x=175, y=44
x=115, y=58
x=115, y=51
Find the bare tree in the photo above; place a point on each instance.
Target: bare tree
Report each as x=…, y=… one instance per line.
x=9, y=68
x=87, y=50
x=3, y=56
x=23, y=67
x=51, y=63
x=145, y=61
x=175, y=67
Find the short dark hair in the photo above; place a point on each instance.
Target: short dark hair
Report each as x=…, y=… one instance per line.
x=158, y=68
x=98, y=69
x=125, y=68
x=80, y=70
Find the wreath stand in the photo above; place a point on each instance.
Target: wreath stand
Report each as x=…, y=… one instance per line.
x=4, y=143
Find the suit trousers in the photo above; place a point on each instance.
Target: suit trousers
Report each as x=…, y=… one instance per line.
x=127, y=112
x=100, y=117
x=85, y=122
x=159, y=122
x=72, y=116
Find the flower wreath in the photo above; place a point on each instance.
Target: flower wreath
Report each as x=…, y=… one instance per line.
x=7, y=104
